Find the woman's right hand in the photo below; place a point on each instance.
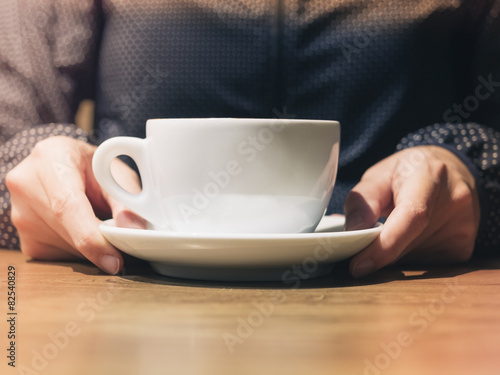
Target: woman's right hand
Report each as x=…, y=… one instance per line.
x=57, y=205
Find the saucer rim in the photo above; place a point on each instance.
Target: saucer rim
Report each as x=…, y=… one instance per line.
x=109, y=225
x=239, y=257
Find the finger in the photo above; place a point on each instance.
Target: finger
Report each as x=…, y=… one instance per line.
x=43, y=251
x=35, y=234
x=126, y=219
x=452, y=242
x=64, y=187
x=124, y=176
x=431, y=253
x=414, y=202
x=370, y=198
x=128, y=179
x=29, y=210
x=29, y=231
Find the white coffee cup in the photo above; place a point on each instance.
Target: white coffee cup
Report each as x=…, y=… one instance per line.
x=227, y=175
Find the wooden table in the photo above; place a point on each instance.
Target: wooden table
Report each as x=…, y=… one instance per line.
x=73, y=319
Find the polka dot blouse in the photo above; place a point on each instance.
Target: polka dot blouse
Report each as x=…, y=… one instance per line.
x=396, y=74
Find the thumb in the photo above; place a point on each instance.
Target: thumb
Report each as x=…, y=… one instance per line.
x=370, y=198
x=128, y=179
x=125, y=218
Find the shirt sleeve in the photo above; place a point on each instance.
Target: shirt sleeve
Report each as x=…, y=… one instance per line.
x=47, y=60
x=477, y=147
x=471, y=129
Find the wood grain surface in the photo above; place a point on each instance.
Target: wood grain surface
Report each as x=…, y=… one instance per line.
x=73, y=319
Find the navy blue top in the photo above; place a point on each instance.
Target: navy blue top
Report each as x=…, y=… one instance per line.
x=395, y=74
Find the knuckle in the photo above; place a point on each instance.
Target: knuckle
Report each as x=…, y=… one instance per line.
x=84, y=242
x=18, y=221
x=23, y=223
x=56, y=147
x=60, y=204
x=50, y=142
x=374, y=173
x=419, y=215
x=11, y=182
x=440, y=169
x=14, y=181
x=462, y=194
x=43, y=146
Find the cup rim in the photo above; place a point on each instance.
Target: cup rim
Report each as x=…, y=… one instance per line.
x=251, y=121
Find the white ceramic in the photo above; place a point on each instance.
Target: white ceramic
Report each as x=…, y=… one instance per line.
x=228, y=175
x=243, y=257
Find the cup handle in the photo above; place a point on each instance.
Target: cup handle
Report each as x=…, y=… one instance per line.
x=101, y=165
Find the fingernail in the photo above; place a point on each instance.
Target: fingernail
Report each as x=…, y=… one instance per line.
x=110, y=264
x=363, y=268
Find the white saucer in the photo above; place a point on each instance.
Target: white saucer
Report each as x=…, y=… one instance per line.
x=243, y=257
